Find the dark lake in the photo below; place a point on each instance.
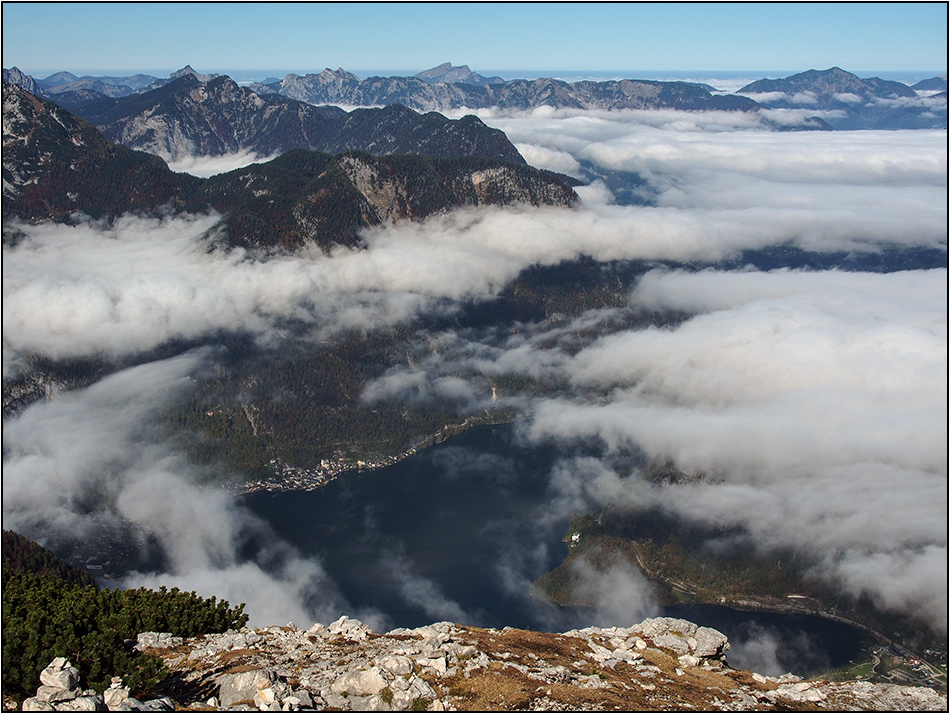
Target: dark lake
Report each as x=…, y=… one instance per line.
x=459, y=531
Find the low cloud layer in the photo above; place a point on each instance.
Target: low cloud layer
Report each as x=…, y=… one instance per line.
x=87, y=289
x=205, y=166
x=815, y=402
x=87, y=464
x=812, y=403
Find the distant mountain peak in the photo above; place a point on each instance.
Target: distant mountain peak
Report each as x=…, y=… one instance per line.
x=448, y=74
x=15, y=76
x=188, y=69
x=338, y=73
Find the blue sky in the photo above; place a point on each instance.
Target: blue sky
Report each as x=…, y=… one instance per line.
x=41, y=38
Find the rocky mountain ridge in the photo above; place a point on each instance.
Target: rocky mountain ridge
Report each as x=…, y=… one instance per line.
x=190, y=117
x=55, y=164
x=843, y=100
x=309, y=197
x=448, y=74
x=341, y=87
x=662, y=664
x=850, y=102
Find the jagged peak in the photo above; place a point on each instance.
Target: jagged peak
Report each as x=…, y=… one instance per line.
x=338, y=73
x=188, y=69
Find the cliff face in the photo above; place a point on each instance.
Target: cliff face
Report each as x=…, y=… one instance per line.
x=55, y=164
x=660, y=664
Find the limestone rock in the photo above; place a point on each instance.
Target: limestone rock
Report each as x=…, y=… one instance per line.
x=60, y=674
x=83, y=704
x=162, y=704
x=670, y=641
x=361, y=683
x=156, y=640
x=346, y=667
x=52, y=694
x=396, y=664
x=243, y=686
x=115, y=694
x=709, y=642
x=349, y=628
x=661, y=625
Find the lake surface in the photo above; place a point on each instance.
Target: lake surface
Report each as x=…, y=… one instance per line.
x=459, y=531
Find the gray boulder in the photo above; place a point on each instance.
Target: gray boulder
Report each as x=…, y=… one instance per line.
x=52, y=695
x=349, y=628
x=60, y=674
x=115, y=694
x=157, y=640
x=162, y=704
x=85, y=703
x=710, y=643
x=243, y=686
x=361, y=682
x=661, y=625
x=670, y=641
x=397, y=665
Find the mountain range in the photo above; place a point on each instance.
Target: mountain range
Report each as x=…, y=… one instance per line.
x=849, y=102
x=55, y=163
x=343, y=87
x=840, y=99
x=447, y=74
x=190, y=117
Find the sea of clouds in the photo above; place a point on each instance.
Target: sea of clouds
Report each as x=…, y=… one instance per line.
x=815, y=401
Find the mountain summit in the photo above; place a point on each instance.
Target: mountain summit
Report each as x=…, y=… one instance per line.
x=851, y=102
x=188, y=69
x=447, y=74
x=191, y=117
x=55, y=164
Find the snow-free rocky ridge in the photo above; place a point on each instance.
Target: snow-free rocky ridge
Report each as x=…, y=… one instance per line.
x=660, y=664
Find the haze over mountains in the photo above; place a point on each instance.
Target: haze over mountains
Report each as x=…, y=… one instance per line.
x=643, y=273
x=848, y=102
x=813, y=99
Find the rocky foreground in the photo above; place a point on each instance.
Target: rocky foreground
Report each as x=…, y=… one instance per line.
x=660, y=664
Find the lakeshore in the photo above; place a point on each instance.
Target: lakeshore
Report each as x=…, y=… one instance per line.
x=288, y=477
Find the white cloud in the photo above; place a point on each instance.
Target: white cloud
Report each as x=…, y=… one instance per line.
x=83, y=289
x=204, y=166
x=816, y=400
x=543, y=157
x=849, y=98
x=816, y=403
x=765, y=97
x=87, y=464
x=804, y=98
x=911, y=102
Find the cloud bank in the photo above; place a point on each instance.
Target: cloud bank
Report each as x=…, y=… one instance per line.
x=815, y=405
x=814, y=402
x=87, y=464
x=205, y=166
x=86, y=289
